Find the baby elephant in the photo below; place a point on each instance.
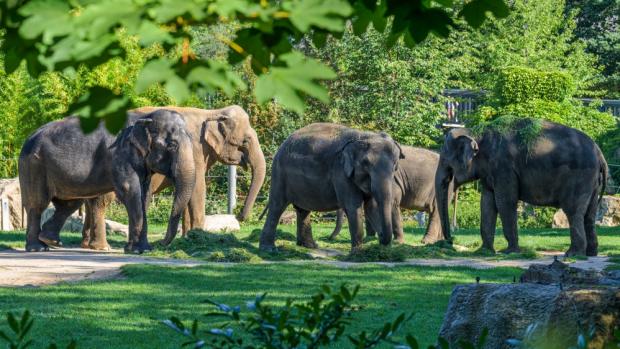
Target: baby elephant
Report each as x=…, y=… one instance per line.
x=323, y=167
x=413, y=188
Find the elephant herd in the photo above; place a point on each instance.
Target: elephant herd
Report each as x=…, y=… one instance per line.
x=320, y=167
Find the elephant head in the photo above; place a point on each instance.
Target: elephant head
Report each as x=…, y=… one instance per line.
x=166, y=147
x=456, y=162
x=234, y=142
x=370, y=164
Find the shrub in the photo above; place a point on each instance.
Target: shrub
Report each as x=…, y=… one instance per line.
x=520, y=84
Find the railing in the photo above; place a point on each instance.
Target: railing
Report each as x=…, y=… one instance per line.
x=463, y=102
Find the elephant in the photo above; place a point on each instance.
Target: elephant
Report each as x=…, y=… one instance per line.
x=59, y=163
x=223, y=135
x=413, y=188
x=323, y=167
x=558, y=167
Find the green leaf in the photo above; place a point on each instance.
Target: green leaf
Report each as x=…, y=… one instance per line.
x=150, y=33
x=100, y=103
x=171, y=9
x=326, y=14
x=216, y=75
x=287, y=84
x=154, y=71
x=475, y=11
x=177, y=89
x=47, y=18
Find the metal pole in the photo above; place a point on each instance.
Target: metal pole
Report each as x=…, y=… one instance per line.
x=232, y=188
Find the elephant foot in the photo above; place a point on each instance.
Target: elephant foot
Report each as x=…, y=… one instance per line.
x=427, y=240
x=85, y=243
x=53, y=242
x=572, y=252
x=509, y=250
x=485, y=251
x=36, y=247
x=267, y=248
x=98, y=246
x=308, y=244
x=138, y=248
x=592, y=251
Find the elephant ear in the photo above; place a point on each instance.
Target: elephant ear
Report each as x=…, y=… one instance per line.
x=140, y=137
x=214, y=132
x=467, y=150
x=348, y=159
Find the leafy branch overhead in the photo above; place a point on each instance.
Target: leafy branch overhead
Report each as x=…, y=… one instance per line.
x=56, y=35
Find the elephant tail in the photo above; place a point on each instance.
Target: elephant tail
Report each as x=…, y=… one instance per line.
x=260, y=218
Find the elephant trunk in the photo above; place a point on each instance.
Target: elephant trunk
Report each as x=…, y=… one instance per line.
x=184, y=177
x=443, y=178
x=256, y=159
x=382, y=192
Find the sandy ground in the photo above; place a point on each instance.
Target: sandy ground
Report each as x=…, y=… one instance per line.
x=19, y=269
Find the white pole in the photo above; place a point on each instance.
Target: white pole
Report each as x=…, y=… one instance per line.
x=232, y=188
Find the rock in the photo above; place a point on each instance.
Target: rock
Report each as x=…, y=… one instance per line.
x=74, y=223
x=221, y=223
x=12, y=216
x=558, y=272
x=288, y=217
x=507, y=310
x=608, y=214
x=560, y=220
x=113, y=227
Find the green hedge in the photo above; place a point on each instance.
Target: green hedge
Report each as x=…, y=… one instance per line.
x=520, y=84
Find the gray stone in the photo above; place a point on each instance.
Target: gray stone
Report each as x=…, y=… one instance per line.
x=558, y=272
x=218, y=223
x=288, y=217
x=10, y=194
x=74, y=223
x=554, y=314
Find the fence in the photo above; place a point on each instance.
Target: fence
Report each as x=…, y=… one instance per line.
x=463, y=102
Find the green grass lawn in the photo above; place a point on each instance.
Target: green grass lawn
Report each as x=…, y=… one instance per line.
x=243, y=246
x=126, y=313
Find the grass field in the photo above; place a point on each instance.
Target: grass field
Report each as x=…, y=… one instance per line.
x=126, y=313
x=243, y=246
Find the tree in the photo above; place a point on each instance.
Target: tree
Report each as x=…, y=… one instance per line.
x=598, y=24
x=55, y=35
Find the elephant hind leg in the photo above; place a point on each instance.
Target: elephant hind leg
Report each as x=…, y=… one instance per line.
x=95, y=208
x=50, y=232
x=275, y=208
x=34, y=228
x=590, y=226
x=304, y=229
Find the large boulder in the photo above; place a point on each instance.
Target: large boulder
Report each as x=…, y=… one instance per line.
x=555, y=316
x=12, y=217
x=608, y=214
x=549, y=309
x=75, y=223
x=219, y=223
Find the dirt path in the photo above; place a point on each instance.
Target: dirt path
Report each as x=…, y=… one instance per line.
x=18, y=268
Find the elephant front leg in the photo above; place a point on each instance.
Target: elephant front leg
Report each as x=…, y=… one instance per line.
x=304, y=229
x=354, y=216
x=506, y=203
x=433, y=228
x=488, y=219
x=197, y=203
x=131, y=196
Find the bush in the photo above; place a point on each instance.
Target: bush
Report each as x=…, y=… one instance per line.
x=520, y=85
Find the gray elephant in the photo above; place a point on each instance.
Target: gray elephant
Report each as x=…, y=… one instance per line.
x=323, y=167
x=558, y=167
x=218, y=135
x=413, y=188
x=58, y=163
